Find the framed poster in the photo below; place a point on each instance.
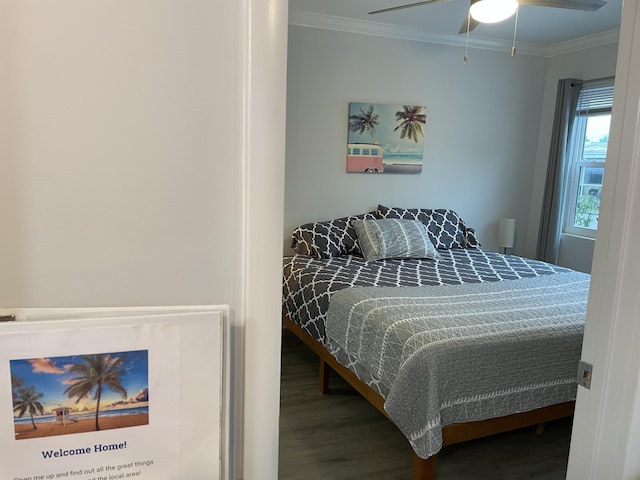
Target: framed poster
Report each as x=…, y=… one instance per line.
x=385, y=138
x=120, y=394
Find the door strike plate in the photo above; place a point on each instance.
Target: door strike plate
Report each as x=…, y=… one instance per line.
x=585, y=372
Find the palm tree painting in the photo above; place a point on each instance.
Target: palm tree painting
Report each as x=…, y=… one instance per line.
x=385, y=138
x=79, y=393
x=28, y=401
x=411, y=120
x=364, y=121
x=94, y=374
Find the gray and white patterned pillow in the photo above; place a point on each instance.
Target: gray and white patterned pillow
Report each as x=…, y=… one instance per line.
x=446, y=228
x=393, y=238
x=328, y=239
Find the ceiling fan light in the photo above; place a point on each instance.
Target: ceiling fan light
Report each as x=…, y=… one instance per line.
x=492, y=11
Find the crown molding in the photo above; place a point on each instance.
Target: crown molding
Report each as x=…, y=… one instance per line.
x=590, y=41
x=365, y=27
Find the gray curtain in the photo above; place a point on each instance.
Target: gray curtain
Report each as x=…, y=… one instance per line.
x=552, y=216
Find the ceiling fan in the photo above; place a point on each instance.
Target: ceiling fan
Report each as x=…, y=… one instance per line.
x=489, y=11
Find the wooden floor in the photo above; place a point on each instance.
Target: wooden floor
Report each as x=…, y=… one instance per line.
x=341, y=437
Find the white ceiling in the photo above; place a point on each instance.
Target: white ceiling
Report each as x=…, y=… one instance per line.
x=543, y=26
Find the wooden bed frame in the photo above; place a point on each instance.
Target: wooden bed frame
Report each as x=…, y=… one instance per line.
x=425, y=469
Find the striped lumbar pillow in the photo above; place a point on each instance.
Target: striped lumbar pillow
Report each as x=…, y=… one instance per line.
x=393, y=238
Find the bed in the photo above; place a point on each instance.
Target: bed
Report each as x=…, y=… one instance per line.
x=450, y=341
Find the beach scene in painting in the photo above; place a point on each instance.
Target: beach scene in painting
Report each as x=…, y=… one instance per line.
x=385, y=138
x=79, y=393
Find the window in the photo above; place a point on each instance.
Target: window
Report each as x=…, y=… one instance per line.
x=587, y=156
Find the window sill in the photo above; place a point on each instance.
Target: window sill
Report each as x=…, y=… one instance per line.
x=581, y=237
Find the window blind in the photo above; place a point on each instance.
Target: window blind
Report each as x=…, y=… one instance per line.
x=596, y=96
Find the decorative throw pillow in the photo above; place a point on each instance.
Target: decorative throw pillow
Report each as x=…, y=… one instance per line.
x=446, y=228
x=328, y=239
x=393, y=238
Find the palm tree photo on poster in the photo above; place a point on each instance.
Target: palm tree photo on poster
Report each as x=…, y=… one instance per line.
x=385, y=138
x=79, y=393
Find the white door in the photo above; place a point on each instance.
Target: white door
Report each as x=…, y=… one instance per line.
x=606, y=433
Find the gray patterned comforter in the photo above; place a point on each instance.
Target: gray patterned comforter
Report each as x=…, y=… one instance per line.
x=458, y=353
x=308, y=283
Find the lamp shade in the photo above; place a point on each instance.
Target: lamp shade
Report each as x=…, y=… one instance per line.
x=492, y=11
x=507, y=232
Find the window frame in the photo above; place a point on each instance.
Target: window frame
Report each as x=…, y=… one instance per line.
x=575, y=146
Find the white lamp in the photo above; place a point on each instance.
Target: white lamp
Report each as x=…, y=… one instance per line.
x=492, y=11
x=506, y=233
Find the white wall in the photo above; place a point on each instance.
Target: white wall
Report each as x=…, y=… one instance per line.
x=481, y=131
x=141, y=163
x=110, y=154
x=597, y=62
x=487, y=134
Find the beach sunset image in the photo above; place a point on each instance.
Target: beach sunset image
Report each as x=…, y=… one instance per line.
x=79, y=393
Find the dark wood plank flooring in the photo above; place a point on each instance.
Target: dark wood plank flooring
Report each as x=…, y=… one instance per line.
x=340, y=436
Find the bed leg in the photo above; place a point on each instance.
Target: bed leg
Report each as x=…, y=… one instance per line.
x=324, y=377
x=424, y=468
x=540, y=428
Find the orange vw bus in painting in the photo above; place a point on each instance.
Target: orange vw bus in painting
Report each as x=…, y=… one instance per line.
x=364, y=157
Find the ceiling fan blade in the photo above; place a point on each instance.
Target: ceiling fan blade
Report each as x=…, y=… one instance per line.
x=409, y=5
x=470, y=22
x=586, y=5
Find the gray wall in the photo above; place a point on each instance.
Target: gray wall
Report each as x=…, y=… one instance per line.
x=481, y=143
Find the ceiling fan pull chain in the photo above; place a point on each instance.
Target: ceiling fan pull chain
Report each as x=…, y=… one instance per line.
x=515, y=29
x=466, y=47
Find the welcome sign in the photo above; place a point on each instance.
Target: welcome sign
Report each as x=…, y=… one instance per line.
x=111, y=398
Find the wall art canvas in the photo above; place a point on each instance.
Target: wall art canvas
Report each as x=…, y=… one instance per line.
x=385, y=138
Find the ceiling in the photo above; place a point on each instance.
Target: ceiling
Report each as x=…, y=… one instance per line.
x=542, y=26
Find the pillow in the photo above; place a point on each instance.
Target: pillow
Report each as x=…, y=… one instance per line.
x=446, y=228
x=328, y=239
x=393, y=238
